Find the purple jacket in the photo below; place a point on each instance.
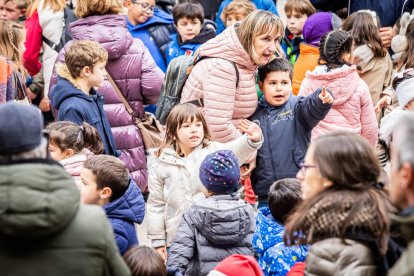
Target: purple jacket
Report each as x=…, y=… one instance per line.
x=134, y=71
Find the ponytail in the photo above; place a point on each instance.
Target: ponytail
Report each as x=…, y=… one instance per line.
x=91, y=139
x=67, y=135
x=334, y=45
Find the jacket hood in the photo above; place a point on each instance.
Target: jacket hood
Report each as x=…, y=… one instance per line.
x=222, y=219
x=38, y=199
x=365, y=55
x=109, y=30
x=128, y=207
x=316, y=26
x=227, y=46
x=306, y=49
x=342, y=82
x=205, y=35
x=267, y=227
x=159, y=17
x=66, y=89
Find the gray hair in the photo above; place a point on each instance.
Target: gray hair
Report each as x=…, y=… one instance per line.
x=403, y=138
x=38, y=152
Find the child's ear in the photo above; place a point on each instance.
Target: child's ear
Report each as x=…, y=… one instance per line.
x=69, y=152
x=106, y=193
x=127, y=3
x=86, y=71
x=261, y=85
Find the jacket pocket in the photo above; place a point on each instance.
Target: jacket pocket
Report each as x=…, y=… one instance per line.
x=298, y=155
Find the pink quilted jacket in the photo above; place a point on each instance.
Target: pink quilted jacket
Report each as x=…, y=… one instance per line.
x=214, y=80
x=352, y=109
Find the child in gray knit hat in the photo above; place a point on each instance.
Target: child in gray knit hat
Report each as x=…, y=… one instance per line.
x=215, y=227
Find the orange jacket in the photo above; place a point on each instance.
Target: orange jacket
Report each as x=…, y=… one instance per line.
x=307, y=61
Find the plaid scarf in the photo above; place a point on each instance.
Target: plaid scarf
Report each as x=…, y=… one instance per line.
x=327, y=217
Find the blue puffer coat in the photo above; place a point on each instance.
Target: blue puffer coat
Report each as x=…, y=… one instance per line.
x=274, y=257
x=123, y=213
x=267, y=5
x=155, y=34
x=286, y=131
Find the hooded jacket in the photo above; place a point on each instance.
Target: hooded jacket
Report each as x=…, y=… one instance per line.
x=123, y=213
x=155, y=34
x=44, y=228
x=274, y=257
x=266, y=5
x=210, y=231
x=352, y=108
x=286, y=131
x=177, y=48
x=137, y=76
x=174, y=184
x=77, y=107
x=214, y=80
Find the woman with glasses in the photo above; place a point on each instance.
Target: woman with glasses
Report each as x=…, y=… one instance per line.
x=344, y=213
x=152, y=26
x=133, y=70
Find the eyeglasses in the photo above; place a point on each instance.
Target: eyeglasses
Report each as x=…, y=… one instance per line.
x=144, y=6
x=304, y=167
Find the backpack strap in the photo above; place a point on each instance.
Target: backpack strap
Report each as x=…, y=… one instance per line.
x=55, y=47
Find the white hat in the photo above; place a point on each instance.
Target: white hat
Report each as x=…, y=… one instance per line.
x=405, y=91
x=388, y=124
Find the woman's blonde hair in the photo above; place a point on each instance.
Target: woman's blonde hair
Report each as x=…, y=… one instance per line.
x=11, y=37
x=177, y=117
x=85, y=8
x=258, y=23
x=54, y=5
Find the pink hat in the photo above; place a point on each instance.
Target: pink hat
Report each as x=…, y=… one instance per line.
x=237, y=265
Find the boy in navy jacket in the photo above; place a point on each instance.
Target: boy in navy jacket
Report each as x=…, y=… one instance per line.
x=106, y=182
x=74, y=95
x=286, y=122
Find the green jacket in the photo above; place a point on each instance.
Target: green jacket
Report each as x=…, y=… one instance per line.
x=46, y=231
x=405, y=264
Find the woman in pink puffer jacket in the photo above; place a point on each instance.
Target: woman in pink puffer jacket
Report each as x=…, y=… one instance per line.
x=352, y=109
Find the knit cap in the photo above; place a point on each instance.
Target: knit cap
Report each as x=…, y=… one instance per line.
x=317, y=25
x=220, y=172
x=20, y=128
x=237, y=265
x=405, y=92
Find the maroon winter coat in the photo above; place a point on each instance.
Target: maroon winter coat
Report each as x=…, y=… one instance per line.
x=134, y=71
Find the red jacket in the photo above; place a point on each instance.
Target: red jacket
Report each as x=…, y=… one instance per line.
x=33, y=44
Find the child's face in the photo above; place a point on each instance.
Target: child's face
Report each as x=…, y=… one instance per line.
x=57, y=154
x=295, y=22
x=11, y=12
x=190, y=135
x=89, y=189
x=276, y=88
x=234, y=18
x=139, y=11
x=97, y=77
x=188, y=28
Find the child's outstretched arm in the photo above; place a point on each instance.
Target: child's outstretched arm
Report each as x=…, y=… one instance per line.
x=313, y=108
x=182, y=248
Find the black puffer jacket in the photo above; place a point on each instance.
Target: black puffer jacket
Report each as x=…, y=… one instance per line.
x=211, y=230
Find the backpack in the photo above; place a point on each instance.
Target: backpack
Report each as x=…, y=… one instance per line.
x=177, y=73
x=68, y=17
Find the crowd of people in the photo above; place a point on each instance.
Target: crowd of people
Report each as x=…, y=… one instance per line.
x=288, y=149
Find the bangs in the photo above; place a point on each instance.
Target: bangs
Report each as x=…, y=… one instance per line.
x=271, y=29
x=189, y=113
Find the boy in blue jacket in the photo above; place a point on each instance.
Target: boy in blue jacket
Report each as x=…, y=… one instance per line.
x=106, y=182
x=286, y=122
x=188, y=20
x=153, y=26
x=274, y=257
x=74, y=95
